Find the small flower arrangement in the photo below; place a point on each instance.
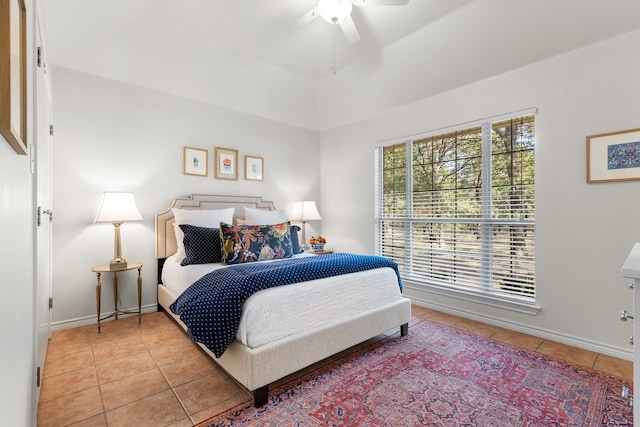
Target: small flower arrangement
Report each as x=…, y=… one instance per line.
x=317, y=243
x=317, y=240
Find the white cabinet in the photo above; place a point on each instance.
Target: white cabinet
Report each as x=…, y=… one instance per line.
x=631, y=270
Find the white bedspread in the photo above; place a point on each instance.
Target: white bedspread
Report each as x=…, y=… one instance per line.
x=278, y=312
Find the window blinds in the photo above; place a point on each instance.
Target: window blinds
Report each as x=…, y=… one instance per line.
x=458, y=208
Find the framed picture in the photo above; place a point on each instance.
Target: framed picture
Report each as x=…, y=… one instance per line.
x=195, y=161
x=13, y=74
x=226, y=163
x=253, y=168
x=613, y=156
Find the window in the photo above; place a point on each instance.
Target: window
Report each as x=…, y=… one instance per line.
x=456, y=208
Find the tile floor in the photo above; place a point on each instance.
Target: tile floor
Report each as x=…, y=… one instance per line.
x=150, y=374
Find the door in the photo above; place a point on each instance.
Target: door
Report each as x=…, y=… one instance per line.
x=44, y=214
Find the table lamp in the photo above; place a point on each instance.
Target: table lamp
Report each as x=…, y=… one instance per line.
x=304, y=211
x=117, y=208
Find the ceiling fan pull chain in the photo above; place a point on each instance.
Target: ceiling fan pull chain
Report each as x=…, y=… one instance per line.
x=335, y=33
x=333, y=55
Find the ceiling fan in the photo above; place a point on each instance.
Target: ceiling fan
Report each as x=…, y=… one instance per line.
x=338, y=12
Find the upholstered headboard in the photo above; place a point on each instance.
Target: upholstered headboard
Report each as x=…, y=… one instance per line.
x=165, y=235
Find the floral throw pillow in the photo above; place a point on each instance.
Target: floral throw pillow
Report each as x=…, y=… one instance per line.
x=249, y=243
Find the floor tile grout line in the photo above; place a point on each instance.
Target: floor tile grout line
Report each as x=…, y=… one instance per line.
x=172, y=388
x=75, y=370
x=100, y=383
x=159, y=368
x=95, y=367
x=148, y=351
x=595, y=361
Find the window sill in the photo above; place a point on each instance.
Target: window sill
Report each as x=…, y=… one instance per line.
x=474, y=295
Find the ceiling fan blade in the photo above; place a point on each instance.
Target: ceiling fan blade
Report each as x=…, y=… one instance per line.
x=380, y=2
x=350, y=31
x=302, y=21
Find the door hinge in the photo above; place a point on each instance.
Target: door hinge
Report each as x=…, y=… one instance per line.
x=50, y=303
x=40, y=59
x=41, y=212
x=50, y=130
x=38, y=376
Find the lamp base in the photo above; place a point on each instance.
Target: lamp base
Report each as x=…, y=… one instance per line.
x=117, y=265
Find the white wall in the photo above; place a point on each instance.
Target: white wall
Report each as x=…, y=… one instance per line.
x=111, y=136
x=584, y=231
x=17, y=306
x=17, y=309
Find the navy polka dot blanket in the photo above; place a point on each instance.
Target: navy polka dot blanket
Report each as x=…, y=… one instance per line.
x=212, y=306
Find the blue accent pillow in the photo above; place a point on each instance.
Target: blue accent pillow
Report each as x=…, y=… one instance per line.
x=295, y=240
x=249, y=243
x=202, y=245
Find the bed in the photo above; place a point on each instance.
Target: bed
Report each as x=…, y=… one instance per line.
x=273, y=340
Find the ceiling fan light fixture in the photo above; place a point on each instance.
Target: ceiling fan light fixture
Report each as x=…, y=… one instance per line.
x=334, y=11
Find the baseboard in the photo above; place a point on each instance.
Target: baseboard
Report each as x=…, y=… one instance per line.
x=541, y=333
x=91, y=320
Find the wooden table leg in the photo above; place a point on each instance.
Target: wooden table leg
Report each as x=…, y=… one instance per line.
x=98, y=294
x=115, y=293
x=140, y=295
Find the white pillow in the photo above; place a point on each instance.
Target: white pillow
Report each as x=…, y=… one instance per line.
x=262, y=217
x=210, y=218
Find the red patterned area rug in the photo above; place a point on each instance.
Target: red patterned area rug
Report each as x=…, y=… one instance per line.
x=439, y=376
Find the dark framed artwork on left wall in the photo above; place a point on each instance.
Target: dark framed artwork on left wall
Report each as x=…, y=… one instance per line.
x=13, y=74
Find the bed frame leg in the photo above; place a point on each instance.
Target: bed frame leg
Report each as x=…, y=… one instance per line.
x=261, y=396
x=404, y=330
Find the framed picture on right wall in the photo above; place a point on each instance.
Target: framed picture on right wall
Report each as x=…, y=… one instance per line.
x=613, y=156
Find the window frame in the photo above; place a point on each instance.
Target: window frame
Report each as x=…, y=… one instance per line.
x=475, y=294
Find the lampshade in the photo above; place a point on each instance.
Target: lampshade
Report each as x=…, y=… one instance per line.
x=118, y=208
x=334, y=11
x=304, y=211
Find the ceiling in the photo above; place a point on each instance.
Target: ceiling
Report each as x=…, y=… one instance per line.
x=253, y=29
x=240, y=46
